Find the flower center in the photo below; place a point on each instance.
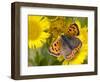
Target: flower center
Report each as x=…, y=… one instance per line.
x=33, y=30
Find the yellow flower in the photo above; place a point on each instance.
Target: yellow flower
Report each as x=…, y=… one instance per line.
x=83, y=53
x=57, y=26
x=37, y=27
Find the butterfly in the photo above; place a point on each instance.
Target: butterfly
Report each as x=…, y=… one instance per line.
x=67, y=45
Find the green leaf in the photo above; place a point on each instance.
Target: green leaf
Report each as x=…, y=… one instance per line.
x=83, y=21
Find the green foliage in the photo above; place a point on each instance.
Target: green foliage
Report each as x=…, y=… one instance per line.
x=83, y=21
x=41, y=57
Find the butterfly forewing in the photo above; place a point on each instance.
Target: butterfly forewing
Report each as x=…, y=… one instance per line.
x=73, y=30
x=55, y=48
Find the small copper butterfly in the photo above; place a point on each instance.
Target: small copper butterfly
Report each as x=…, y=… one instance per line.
x=67, y=45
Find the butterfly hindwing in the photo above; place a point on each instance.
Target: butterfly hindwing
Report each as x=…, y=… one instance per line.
x=72, y=47
x=65, y=49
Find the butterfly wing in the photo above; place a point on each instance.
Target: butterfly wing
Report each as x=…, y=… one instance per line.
x=65, y=49
x=73, y=30
x=71, y=47
x=55, y=48
x=60, y=47
x=77, y=44
x=72, y=42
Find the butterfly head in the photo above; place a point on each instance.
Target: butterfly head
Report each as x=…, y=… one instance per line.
x=73, y=30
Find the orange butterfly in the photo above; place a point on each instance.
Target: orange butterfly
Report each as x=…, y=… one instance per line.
x=67, y=45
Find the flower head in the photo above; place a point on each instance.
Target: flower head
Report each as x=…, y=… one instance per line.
x=57, y=26
x=37, y=27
